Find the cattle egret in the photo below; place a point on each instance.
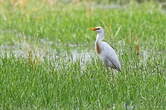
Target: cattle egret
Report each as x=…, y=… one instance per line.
x=105, y=51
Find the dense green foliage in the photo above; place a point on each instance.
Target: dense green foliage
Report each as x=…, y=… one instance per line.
x=138, y=32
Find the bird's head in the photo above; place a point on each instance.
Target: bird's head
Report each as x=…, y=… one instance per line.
x=98, y=29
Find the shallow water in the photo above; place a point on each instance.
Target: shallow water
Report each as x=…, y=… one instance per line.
x=25, y=49
x=42, y=49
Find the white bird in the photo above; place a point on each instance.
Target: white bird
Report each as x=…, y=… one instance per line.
x=105, y=51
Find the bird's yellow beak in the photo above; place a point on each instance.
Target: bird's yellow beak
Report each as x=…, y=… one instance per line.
x=93, y=29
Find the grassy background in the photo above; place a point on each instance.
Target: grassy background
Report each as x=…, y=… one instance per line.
x=44, y=49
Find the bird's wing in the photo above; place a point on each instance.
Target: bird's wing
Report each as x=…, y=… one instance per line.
x=110, y=55
x=115, y=63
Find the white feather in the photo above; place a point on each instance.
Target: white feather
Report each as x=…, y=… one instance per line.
x=106, y=52
x=109, y=56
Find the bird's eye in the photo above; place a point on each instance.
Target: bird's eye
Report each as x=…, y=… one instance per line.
x=97, y=28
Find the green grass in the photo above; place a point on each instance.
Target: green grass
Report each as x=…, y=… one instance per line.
x=28, y=83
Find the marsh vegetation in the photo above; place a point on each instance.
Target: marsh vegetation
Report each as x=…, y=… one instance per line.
x=48, y=61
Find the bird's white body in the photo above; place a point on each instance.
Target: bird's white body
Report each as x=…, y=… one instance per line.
x=108, y=55
x=105, y=51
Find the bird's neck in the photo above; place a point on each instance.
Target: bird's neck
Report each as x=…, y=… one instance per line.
x=100, y=37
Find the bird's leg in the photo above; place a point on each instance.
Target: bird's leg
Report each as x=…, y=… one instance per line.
x=107, y=71
x=112, y=71
x=111, y=75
